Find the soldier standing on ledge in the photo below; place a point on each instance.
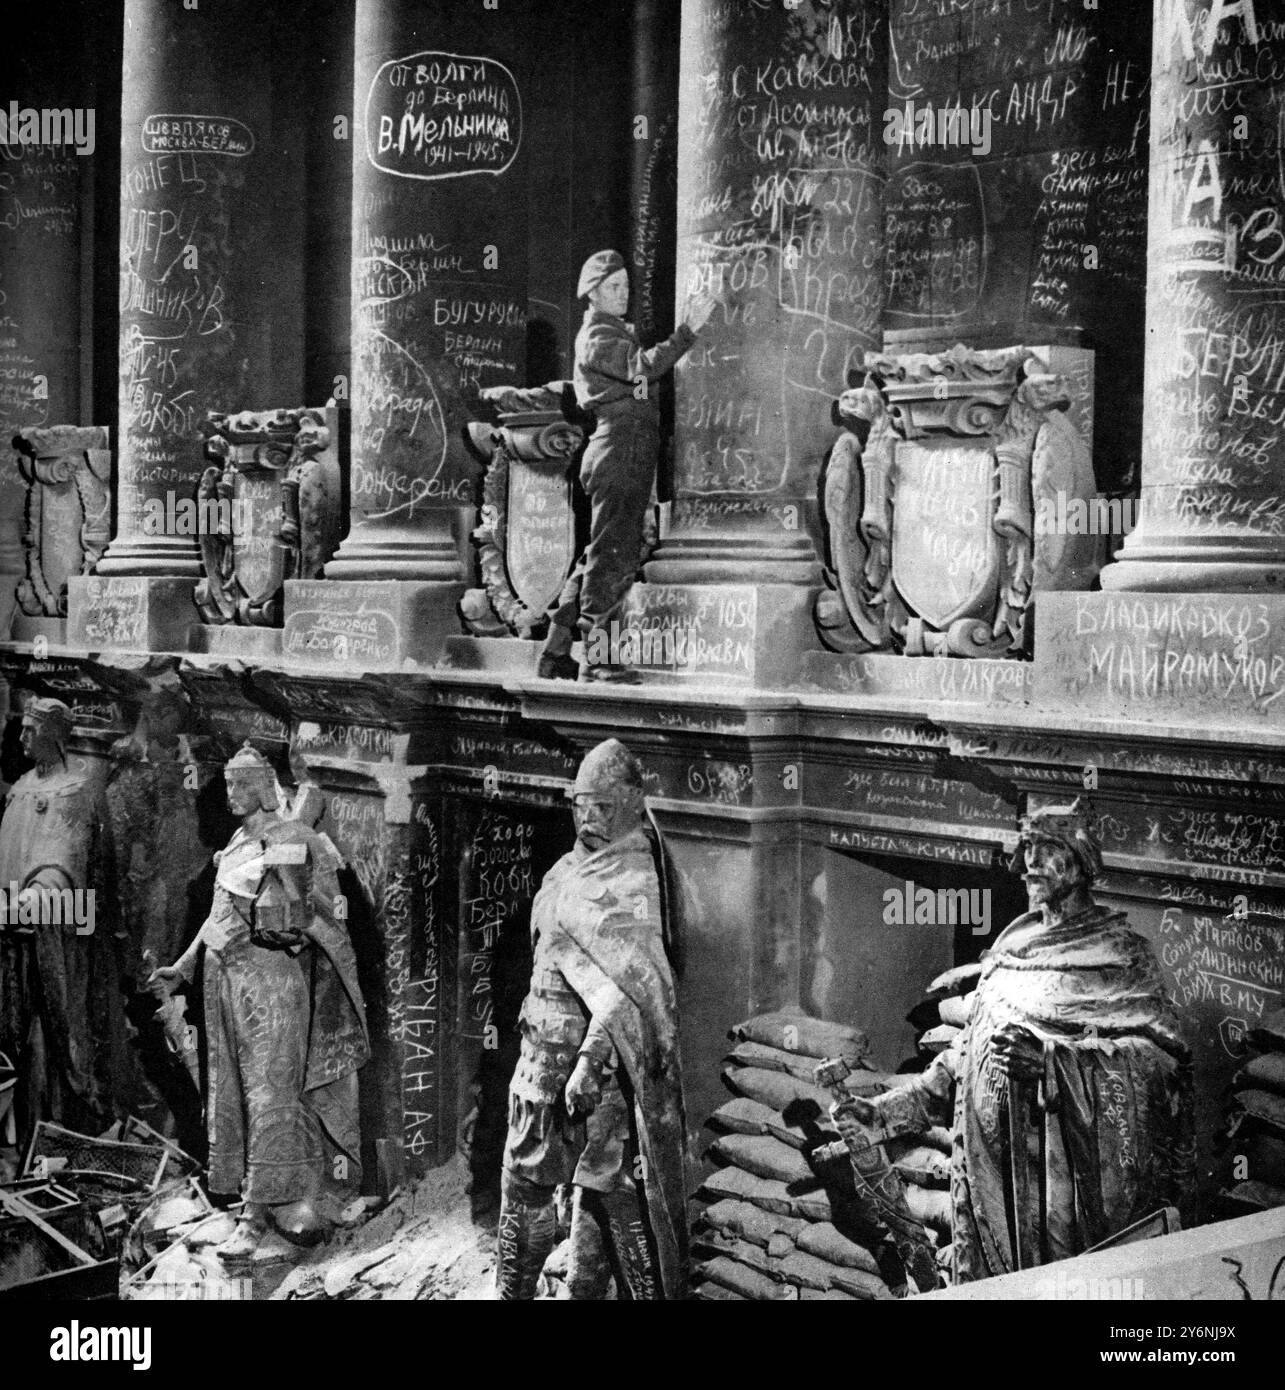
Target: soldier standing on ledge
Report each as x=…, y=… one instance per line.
x=615, y=380
x=596, y=1098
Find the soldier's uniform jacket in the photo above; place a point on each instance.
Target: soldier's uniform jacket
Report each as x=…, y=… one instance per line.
x=609, y=360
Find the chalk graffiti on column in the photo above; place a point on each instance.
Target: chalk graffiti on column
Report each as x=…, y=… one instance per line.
x=443, y=115
x=185, y=134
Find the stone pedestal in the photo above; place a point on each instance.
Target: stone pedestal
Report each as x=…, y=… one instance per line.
x=1215, y=660
x=369, y=625
x=130, y=613
x=1213, y=505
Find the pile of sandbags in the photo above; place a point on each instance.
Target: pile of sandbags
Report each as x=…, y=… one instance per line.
x=1257, y=1128
x=942, y=1014
x=774, y=1227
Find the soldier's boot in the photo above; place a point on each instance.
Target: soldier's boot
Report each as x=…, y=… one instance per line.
x=556, y=662
x=528, y=1231
x=635, y=1250
x=589, y=1266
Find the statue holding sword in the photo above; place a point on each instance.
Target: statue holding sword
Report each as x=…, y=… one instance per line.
x=1070, y=1089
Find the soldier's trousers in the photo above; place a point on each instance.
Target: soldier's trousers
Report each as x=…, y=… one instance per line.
x=618, y=472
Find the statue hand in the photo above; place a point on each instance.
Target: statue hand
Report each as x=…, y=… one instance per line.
x=1019, y=1052
x=163, y=982
x=832, y=1072
x=699, y=310
x=854, y=1119
x=583, y=1090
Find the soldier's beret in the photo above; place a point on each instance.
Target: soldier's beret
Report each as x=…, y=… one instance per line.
x=596, y=269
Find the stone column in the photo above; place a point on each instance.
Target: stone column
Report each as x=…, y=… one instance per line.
x=45, y=189
x=1212, y=515
x=210, y=263
x=781, y=161
x=439, y=306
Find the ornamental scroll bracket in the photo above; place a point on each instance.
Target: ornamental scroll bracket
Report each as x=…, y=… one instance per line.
x=267, y=509
x=67, y=469
x=526, y=537
x=928, y=502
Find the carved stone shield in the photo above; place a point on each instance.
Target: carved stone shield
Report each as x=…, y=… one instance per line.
x=945, y=553
x=258, y=555
x=539, y=531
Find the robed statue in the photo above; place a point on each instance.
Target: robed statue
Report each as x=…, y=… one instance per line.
x=596, y=1099
x=1070, y=1088
x=285, y=1025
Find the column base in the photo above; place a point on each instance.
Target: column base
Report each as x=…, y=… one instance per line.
x=131, y=613
x=368, y=625
x=1213, y=660
x=25, y=628
x=1221, y=570
x=710, y=558
x=724, y=634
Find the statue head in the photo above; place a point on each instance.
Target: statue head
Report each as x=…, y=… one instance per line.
x=1061, y=854
x=46, y=728
x=604, y=281
x=608, y=795
x=251, y=782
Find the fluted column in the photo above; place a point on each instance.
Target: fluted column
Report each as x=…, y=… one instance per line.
x=1212, y=516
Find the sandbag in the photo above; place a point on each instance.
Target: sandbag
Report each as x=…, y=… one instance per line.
x=750, y=1222
x=805, y=1270
x=959, y=980
x=767, y=1194
x=777, y=1090
x=860, y=1283
x=828, y=1243
x=742, y=1251
x=939, y=1039
x=918, y=1163
x=716, y=1293
x=1266, y=1070
x=749, y=1283
x=824, y=1296
x=743, y=1116
x=1256, y=1196
x=955, y=1010
x=779, y=1245
x=745, y=1187
x=1269, y=1035
x=929, y=1205
x=1263, y=1106
x=754, y=1054
x=939, y=1138
x=792, y=1031
x=763, y=1155
x=1265, y=1154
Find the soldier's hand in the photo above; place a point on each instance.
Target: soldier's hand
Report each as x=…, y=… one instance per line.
x=699, y=310
x=163, y=982
x=583, y=1090
x=1019, y=1053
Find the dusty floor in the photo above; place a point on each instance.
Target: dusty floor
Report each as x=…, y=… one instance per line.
x=424, y=1245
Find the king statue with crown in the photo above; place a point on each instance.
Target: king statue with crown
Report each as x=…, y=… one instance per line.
x=285, y=1025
